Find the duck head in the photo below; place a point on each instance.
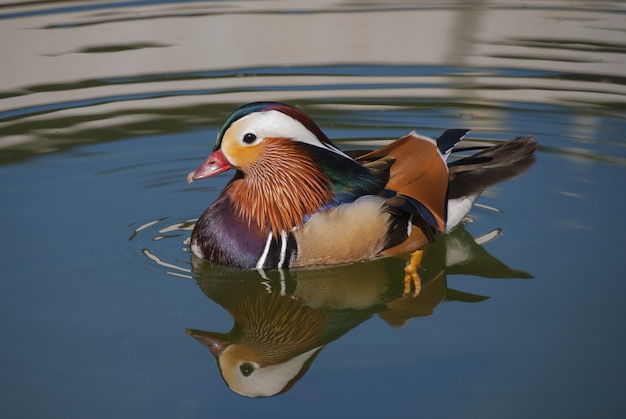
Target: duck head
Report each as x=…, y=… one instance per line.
x=254, y=129
x=276, y=150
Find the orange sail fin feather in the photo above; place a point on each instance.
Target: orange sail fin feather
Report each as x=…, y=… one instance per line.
x=297, y=200
x=418, y=171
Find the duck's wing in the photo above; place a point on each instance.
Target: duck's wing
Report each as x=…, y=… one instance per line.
x=418, y=172
x=416, y=190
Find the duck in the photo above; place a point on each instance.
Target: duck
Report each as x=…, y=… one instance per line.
x=296, y=200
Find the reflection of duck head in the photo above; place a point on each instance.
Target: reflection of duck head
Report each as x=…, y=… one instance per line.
x=284, y=319
x=265, y=354
x=274, y=341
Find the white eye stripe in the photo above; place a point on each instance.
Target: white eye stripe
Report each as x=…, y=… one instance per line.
x=276, y=124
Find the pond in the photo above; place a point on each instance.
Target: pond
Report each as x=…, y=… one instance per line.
x=105, y=107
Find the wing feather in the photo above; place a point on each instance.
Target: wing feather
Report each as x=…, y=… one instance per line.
x=418, y=172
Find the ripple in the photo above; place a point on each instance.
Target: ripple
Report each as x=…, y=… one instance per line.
x=155, y=104
x=157, y=238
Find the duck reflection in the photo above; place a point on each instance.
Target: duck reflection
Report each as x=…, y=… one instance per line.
x=283, y=319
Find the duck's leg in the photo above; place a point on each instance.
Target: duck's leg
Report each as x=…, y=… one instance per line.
x=412, y=280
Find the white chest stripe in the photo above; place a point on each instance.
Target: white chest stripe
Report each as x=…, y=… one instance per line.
x=266, y=250
x=283, y=248
x=283, y=241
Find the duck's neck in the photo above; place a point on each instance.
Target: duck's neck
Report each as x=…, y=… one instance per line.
x=279, y=190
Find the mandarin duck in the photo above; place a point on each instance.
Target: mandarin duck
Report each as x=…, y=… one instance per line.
x=297, y=200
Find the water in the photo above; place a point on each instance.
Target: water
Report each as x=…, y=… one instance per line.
x=107, y=106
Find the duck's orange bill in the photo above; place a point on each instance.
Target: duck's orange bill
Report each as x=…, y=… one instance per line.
x=214, y=164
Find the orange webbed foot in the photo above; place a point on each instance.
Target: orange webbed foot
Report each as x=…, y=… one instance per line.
x=412, y=280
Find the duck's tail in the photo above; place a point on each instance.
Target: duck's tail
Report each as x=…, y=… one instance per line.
x=470, y=176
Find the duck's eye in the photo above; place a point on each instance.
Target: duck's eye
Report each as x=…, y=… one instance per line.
x=249, y=138
x=246, y=369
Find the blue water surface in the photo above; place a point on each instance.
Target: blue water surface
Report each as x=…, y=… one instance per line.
x=98, y=285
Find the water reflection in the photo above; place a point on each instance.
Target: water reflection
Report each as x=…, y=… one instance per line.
x=87, y=72
x=283, y=319
x=105, y=106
